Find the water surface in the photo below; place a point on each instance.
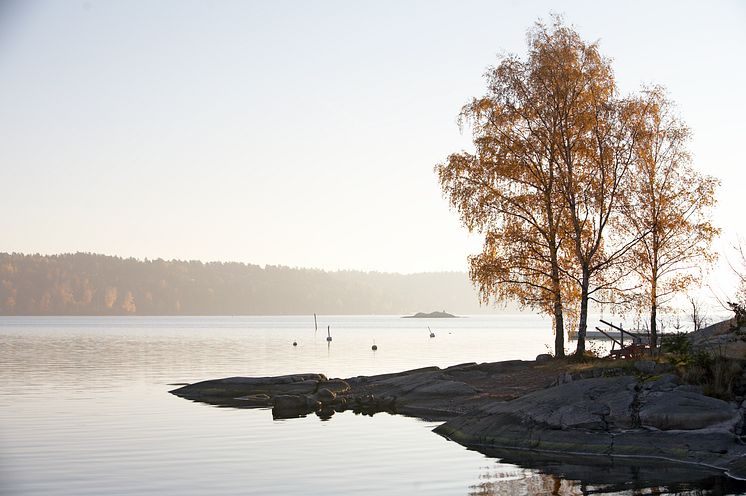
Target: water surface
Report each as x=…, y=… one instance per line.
x=85, y=409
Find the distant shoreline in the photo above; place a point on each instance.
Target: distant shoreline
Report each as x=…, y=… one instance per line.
x=393, y=315
x=91, y=284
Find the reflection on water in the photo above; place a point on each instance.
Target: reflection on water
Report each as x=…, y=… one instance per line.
x=85, y=409
x=507, y=483
x=551, y=474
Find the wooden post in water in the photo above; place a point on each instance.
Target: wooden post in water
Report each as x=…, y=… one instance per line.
x=315, y=324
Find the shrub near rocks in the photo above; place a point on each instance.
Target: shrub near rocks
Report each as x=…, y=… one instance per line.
x=676, y=346
x=720, y=376
x=739, y=317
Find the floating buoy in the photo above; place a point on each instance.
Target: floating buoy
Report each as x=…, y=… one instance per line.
x=328, y=334
x=432, y=334
x=295, y=343
x=374, y=347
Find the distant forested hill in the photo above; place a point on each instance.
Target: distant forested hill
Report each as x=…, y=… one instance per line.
x=89, y=284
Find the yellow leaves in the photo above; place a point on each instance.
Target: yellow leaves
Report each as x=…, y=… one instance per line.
x=573, y=187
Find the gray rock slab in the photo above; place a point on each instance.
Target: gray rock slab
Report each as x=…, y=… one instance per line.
x=686, y=410
x=615, y=416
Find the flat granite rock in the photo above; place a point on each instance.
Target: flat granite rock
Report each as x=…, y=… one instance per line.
x=619, y=416
x=519, y=405
x=230, y=388
x=686, y=410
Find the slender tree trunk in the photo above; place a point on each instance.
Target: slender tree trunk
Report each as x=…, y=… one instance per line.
x=653, y=318
x=559, y=328
x=583, y=324
x=559, y=322
x=654, y=292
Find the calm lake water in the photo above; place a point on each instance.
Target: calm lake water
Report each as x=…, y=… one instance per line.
x=85, y=409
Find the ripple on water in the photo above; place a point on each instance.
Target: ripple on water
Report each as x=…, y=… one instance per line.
x=85, y=409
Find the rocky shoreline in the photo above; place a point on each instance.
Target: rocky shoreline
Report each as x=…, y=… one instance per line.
x=633, y=410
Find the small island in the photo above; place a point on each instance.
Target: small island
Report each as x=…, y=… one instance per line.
x=432, y=315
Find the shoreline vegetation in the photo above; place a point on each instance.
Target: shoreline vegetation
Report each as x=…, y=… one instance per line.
x=99, y=285
x=680, y=407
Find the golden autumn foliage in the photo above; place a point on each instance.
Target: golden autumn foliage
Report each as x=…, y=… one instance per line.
x=668, y=206
x=557, y=173
x=594, y=140
x=509, y=189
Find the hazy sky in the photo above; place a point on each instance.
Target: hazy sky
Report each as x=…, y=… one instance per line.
x=303, y=133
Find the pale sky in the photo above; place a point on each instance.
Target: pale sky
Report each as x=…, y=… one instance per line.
x=304, y=133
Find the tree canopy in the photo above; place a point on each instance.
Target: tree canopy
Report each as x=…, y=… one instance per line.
x=557, y=184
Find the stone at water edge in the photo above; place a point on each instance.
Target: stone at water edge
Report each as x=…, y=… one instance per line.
x=291, y=406
x=325, y=395
x=611, y=416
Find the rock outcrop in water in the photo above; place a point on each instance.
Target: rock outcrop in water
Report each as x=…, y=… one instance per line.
x=623, y=416
x=430, y=392
x=639, y=411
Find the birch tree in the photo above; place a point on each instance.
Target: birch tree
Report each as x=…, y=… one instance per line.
x=669, y=207
x=508, y=190
x=574, y=187
x=594, y=141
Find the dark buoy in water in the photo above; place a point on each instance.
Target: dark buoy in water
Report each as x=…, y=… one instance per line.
x=374, y=347
x=295, y=343
x=328, y=334
x=432, y=334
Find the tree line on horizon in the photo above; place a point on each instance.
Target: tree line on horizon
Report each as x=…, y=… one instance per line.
x=583, y=195
x=91, y=284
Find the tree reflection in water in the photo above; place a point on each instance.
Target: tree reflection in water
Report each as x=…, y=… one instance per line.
x=523, y=481
x=543, y=474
